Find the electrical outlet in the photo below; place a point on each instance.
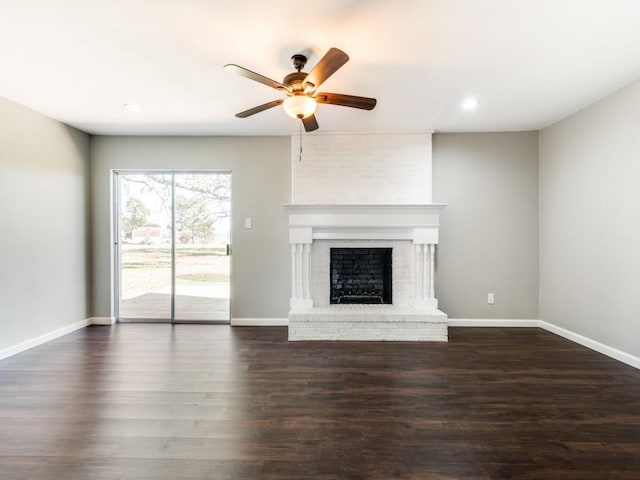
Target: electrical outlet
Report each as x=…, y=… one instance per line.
x=491, y=299
x=247, y=223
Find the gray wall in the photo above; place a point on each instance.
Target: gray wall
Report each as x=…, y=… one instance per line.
x=44, y=242
x=489, y=233
x=261, y=179
x=590, y=221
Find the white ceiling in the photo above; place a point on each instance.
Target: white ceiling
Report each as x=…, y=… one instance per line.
x=528, y=62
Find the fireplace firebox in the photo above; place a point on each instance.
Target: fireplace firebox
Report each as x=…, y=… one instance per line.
x=361, y=276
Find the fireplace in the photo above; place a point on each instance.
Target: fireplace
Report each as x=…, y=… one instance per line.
x=361, y=276
x=364, y=273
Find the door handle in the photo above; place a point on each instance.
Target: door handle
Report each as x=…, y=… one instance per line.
x=228, y=250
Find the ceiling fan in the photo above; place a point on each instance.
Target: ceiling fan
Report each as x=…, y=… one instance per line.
x=300, y=88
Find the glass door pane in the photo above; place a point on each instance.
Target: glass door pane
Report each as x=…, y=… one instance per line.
x=202, y=236
x=144, y=246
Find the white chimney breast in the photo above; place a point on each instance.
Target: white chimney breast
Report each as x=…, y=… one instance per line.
x=361, y=168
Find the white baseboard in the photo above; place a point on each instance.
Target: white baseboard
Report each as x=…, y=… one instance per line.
x=102, y=321
x=259, y=322
x=47, y=337
x=492, y=322
x=592, y=344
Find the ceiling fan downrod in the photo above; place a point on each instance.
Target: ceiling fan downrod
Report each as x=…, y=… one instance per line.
x=299, y=61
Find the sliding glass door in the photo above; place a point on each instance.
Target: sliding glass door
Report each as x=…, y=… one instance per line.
x=172, y=246
x=202, y=238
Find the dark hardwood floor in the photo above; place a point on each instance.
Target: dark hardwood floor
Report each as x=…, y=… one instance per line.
x=215, y=402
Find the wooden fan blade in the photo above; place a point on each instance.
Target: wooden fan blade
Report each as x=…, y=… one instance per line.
x=327, y=66
x=259, y=108
x=310, y=123
x=364, y=103
x=254, y=76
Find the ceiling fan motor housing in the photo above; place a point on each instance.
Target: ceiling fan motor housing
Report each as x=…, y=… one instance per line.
x=294, y=82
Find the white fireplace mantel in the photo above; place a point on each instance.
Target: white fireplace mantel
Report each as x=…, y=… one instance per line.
x=416, y=222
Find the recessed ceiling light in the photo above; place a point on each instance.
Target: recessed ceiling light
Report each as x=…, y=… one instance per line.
x=470, y=104
x=132, y=107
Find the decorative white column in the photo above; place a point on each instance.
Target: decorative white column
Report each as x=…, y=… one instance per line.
x=300, y=240
x=419, y=272
x=306, y=271
x=432, y=279
x=424, y=275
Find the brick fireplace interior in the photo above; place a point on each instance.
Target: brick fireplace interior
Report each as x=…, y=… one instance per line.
x=361, y=276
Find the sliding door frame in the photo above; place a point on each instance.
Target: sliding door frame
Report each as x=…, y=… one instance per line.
x=117, y=247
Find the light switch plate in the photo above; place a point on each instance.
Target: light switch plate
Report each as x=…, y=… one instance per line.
x=247, y=223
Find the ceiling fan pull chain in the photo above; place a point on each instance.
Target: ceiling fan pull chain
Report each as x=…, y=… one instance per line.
x=300, y=136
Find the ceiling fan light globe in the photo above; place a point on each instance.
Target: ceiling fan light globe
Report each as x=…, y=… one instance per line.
x=299, y=106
